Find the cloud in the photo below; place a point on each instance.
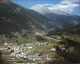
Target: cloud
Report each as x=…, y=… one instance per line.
x=48, y=4
x=68, y=7
x=71, y=0
x=65, y=2
x=65, y=5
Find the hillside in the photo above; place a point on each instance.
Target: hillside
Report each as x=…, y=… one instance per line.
x=65, y=19
x=14, y=17
x=68, y=45
x=69, y=31
x=27, y=37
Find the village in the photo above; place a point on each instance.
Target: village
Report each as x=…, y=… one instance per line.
x=32, y=53
x=27, y=52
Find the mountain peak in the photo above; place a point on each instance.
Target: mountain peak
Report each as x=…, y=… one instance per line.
x=40, y=8
x=3, y=1
x=40, y=5
x=43, y=10
x=14, y=17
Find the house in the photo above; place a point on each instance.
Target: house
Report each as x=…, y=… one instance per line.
x=1, y=48
x=53, y=49
x=29, y=47
x=5, y=44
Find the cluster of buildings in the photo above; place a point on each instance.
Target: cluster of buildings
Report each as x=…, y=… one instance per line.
x=26, y=51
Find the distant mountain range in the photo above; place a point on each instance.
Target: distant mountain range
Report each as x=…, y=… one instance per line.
x=70, y=31
x=14, y=17
x=44, y=10
x=66, y=19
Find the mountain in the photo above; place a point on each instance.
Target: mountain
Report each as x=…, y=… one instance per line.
x=60, y=12
x=4, y=1
x=70, y=31
x=14, y=17
x=41, y=9
x=66, y=19
x=44, y=10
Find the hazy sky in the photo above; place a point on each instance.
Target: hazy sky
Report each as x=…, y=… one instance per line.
x=69, y=5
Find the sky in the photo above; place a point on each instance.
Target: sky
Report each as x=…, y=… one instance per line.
x=72, y=6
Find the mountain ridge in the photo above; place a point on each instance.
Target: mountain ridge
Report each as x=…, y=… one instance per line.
x=39, y=8
x=65, y=19
x=14, y=17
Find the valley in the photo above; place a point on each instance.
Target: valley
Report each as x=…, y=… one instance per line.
x=38, y=35
x=44, y=50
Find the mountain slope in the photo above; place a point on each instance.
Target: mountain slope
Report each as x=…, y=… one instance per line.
x=13, y=17
x=64, y=18
x=70, y=31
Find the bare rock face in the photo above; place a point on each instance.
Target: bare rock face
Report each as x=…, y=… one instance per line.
x=4, y=1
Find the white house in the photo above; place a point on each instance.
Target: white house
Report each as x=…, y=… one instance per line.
x=53, y=49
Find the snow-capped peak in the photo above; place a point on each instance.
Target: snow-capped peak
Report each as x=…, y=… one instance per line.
x=41, y=9
x=59, y=12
